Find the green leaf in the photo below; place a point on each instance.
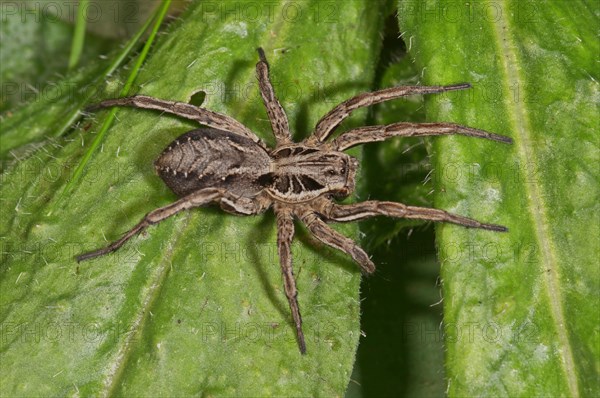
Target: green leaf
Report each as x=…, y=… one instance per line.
x=195, y=306
x=521, y=308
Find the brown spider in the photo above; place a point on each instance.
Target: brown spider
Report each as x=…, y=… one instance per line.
x=229, y=165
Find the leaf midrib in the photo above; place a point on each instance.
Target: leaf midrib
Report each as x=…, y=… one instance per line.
x=537, y=205
x=114, y=377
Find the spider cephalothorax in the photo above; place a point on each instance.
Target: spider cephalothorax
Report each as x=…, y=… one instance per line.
x=302, y=173
x=228, y=164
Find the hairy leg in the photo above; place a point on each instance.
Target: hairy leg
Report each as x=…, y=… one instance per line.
x=331, y=237
x=184, y=110
x=285, y=235
x=363, y=135
x=372, y=208
x=277, y=116
x=195, y=199
x=337, y=115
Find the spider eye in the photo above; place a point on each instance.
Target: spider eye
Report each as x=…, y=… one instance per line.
x=343, y=170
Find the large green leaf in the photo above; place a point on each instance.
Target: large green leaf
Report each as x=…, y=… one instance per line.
x=195, y=305
x=521, y=308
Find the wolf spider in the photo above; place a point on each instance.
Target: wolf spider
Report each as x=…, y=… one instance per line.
x=228, y=164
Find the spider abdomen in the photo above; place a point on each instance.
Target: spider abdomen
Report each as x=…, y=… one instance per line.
x=210, y=158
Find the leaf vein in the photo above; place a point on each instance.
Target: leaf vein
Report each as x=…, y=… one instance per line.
x=537, y=204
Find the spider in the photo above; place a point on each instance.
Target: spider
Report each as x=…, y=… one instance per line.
x=228, y=164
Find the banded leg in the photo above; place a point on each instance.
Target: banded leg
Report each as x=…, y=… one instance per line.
x=195, y=199
x=334, y=117
x=285, y=234
x=372, y=208
x=187, y=111
x=277, y=116
x=331, y=237
x=380, y=133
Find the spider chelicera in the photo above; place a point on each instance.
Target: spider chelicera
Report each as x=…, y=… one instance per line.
x=228, y=164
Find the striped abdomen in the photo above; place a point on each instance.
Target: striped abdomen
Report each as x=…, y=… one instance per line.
x=206, y=158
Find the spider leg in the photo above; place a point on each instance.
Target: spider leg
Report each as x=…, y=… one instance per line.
x=196, y=199
x=285, y=234
x=334, y=117
x=277, y=116
x=184, y=110
x=331, y=237
x=379, y=133
x=372, y=208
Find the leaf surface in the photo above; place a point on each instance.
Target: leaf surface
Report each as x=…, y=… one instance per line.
x=520, y=308
x=195, y=305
